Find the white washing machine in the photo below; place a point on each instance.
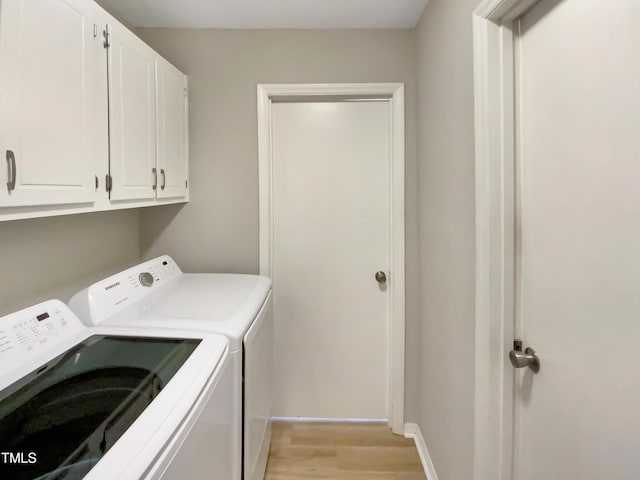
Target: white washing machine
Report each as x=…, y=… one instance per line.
x=158, y=294
x=106, y=403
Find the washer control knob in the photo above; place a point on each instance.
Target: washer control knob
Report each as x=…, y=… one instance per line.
x=146, y=279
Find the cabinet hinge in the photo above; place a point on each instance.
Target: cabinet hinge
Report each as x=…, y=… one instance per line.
x=108, y=182
x=186, y=93
x=107, y=38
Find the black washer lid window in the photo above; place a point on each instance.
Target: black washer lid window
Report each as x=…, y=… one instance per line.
x=60, y=420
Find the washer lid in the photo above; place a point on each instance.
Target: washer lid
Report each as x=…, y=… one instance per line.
x=220, y=303
x=73, y=409
x=213, y=297
x=215, y=302
x=98, y=401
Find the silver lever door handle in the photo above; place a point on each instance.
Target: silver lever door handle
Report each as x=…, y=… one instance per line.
x=381, y=277
x=11, y=170
x=527, y=359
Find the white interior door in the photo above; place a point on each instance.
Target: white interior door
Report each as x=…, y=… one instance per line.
x=50, y=102
x=171, y=91
x=578, y=281
x=330, y=183
x=132, y=116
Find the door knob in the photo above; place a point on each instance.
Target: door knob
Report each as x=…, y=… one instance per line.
x=381, y=277
x=527, y=359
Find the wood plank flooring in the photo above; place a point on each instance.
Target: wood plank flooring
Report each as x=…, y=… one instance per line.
x=341, y=451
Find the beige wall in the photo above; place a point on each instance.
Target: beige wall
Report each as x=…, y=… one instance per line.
x=447, y=234
x=218, y=229
x=54, y=257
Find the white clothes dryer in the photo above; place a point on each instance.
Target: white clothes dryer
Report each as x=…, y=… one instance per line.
x=157, y=294
x=105, y=403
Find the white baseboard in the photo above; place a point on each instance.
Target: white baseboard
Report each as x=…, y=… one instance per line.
x=329, y=420
x=412, y=430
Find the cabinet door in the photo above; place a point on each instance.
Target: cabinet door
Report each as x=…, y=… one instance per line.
x=132, y=116
x=49, y=61
x=172, y=144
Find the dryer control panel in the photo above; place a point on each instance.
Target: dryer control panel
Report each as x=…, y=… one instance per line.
x=35, y=328
x=113, y=294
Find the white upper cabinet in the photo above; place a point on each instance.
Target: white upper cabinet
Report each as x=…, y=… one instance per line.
x=172, y=130
x=132, y=115
x=91, y=117
x=50, y=102
x=147, y=119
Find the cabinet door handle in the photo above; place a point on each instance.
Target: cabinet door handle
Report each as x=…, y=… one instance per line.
x=164, y=179
x=11, y=171
x=155, y=178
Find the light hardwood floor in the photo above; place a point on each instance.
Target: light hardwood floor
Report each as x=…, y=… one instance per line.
x=341, y=451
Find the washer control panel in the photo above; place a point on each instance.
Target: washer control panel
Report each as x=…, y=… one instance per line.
x=115, y=293
x=32, y=329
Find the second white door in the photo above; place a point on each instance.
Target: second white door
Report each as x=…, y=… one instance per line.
x=578, y=105
x=331, y=225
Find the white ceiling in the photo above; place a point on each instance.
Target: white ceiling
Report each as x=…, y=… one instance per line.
x=269, y=13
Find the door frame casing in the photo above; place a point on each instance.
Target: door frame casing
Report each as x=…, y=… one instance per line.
x=394, y=94
x=496, y=234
